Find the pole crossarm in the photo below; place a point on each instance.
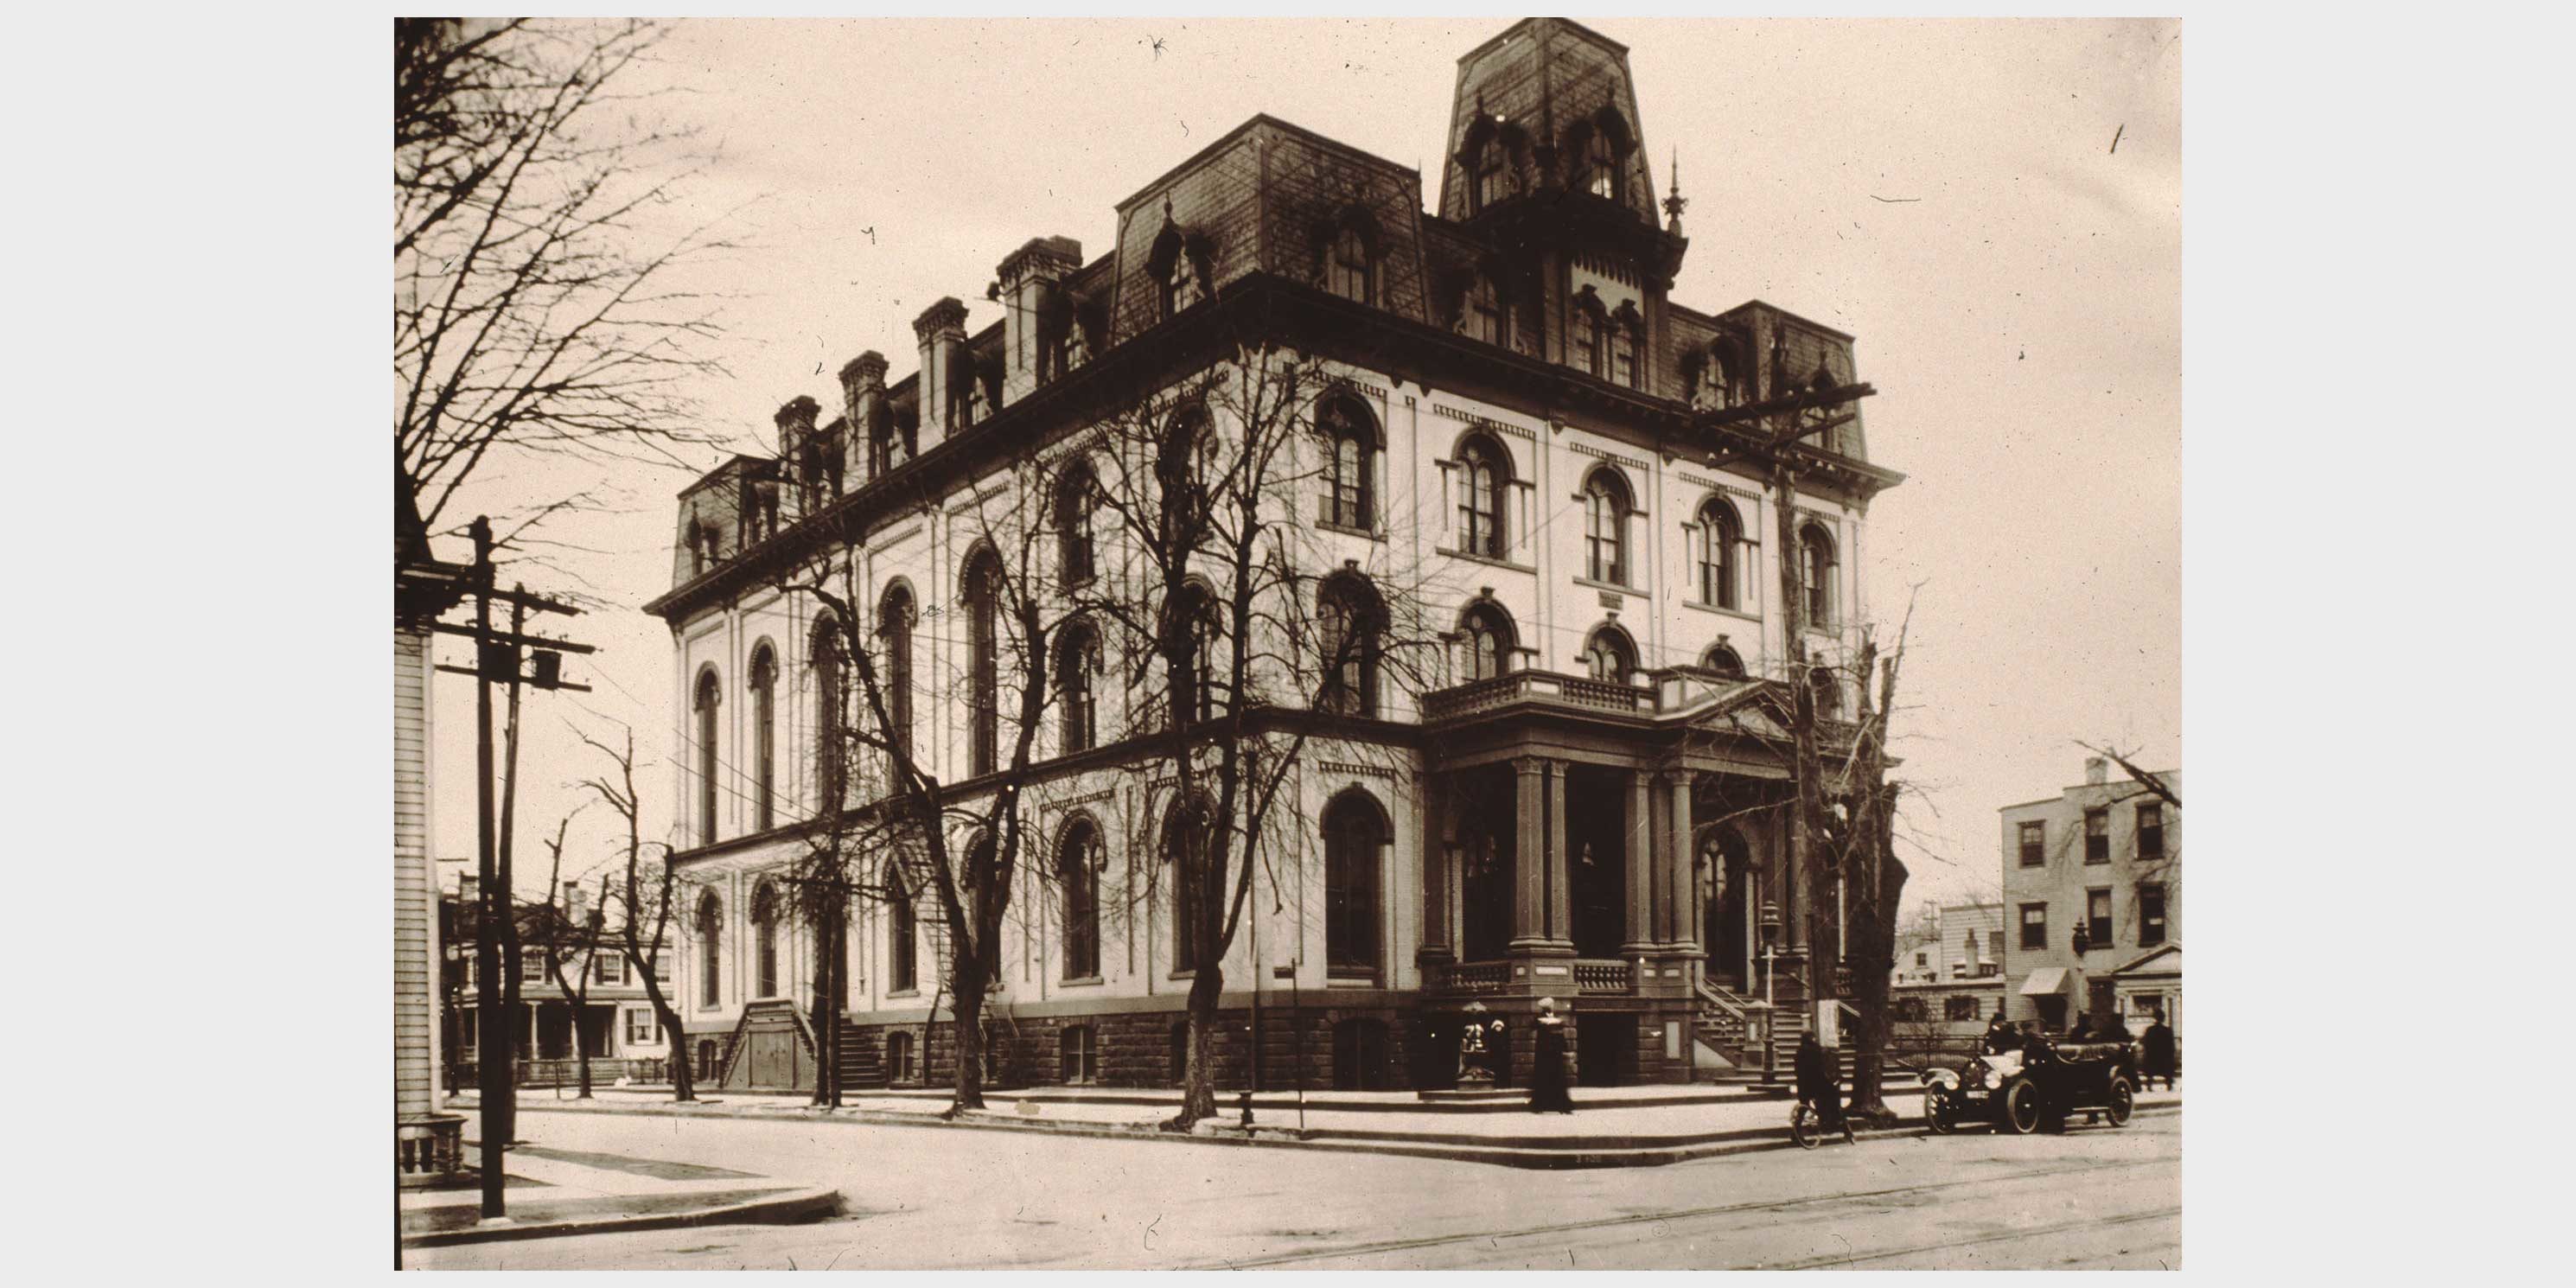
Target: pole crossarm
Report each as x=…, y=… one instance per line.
x=524, y=641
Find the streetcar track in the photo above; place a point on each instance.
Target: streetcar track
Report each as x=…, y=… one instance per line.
x=1647, y=1218
x=2063, y=1227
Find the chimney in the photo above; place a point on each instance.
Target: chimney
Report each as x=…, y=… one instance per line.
x=863, y=401
x=576, y=903
x=795, y=425
x=2095, y=770
x=941, y=328
x=1028, y=280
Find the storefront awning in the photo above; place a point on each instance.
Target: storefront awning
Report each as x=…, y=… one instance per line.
x=2047, y=981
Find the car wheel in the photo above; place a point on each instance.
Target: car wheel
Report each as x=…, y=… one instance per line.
x=1938, y=1113
x=2021, y=1114
x=2123, y=1102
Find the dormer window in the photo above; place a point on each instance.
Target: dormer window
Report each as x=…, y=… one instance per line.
x=1583, y=343
x=1483, y=313
x=1623, y=352
x=1492, y=165
x=1600, y=166
x=1351, y=271
x=1180, y=286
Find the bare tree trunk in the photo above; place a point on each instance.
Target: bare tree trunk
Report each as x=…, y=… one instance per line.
x=1198, y=1077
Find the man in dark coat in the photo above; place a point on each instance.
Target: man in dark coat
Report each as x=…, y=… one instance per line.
x=1820, y=1082
x=1547, y=1071
x=2156, y=1055
x=2001, y=1037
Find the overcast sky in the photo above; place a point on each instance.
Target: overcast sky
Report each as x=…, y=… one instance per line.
x=1948, y=192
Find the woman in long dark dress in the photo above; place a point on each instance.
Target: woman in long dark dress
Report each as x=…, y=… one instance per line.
x=1547, y=1071
x=2156, y=1054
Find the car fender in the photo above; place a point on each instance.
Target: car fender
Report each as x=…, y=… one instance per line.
x=1946, y=1079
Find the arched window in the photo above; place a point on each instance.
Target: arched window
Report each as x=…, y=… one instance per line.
x=1196, y=693
x=983, y=582
x=1354, y=831
x=1350, y=435
x=1490, y=641
x=710, y=694
x=710, y=930
x=1828, y=691
x=1077, y=657
x=894, y=634
x=764, y=736
x=701, y=550
x=1075, y=498
x=1583, y=342
x=1609, y=655
x=1351, y=619
x=903, y=973
x=1713, y=546
x=1077, y=862
x=1623, y=350
x=1817, y=561
x=1493, y=165
x=1185, y=848
x=1486, y=476
x=1175, y=273
x=831, y=717
x=1483, y=313
x=1605, y=527
x=1350, y=270
x=1601, y=165
x=1723, y=659
x=1074, y=1054
x=765, y=914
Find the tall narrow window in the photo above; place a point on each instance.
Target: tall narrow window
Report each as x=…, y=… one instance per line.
x=1623, y=353
x=1353, y=835
x=1076, y=657
x=831, y=719
x=1600, y=166
x=2151, y=914
x=902, y=967
x=2097, y=917
x=765, y=914
x=983, y=662
x=1490, y=640
x=2034, y=844
x=710, y=943
x=1350, y=619
x=709, y=694
x=1078, y=877
x=1605, y=527
x=1583, y=343
x=1351, y=274
x=1715, y=542
x=1491, y=161
x=1185, y=849
x=1485, y=473
x=1195, y=693
x=1350, y=435
x=2034, y=925
x=2151, y=830
x=1180, y=283
x=1817, y=560
x=1483, y=313
x=1609, y=656
x=764, y=737
x=1075, y=499
x=894, y=631
x=2097, y=835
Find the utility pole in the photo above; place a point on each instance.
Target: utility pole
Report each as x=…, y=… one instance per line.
x=497, y=657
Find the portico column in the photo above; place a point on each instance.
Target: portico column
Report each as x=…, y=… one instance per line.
x=1681, y=878
x=1560, y=864
x=1434, y=857
x=1529, y=853
x=1640, y=868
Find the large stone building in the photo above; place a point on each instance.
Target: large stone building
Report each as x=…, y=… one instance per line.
x=1579, y=799
x=2093, y=884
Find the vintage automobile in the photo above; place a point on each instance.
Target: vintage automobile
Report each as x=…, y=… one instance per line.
x=2023, y=1091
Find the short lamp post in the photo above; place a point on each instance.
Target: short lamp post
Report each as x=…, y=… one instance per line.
x=1770, y=956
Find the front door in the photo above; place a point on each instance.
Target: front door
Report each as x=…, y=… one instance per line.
x=1728, y=932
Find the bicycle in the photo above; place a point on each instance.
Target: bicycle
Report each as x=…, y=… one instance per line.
x=1805, y=1126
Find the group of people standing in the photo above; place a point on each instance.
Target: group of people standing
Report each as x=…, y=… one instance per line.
x=2158, y=1056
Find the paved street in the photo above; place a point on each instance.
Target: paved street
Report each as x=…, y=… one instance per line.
x=929, y=1198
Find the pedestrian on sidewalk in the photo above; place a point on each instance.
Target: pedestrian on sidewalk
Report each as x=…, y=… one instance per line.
x=2156, y=1055
x=1820, y=1082
x=1547, y=1071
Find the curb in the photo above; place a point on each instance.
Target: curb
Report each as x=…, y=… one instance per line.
x=1583, y=1155
x=780, y=1209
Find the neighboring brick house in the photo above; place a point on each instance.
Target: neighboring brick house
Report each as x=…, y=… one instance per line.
x=2098, y=865
x=1517, y=417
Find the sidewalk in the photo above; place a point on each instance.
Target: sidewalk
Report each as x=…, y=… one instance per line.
x=1613, y=1127
x=557, y=1192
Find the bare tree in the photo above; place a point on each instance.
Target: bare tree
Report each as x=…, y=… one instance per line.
x=1249, y=657
x=647, y=902
x=535, y=304
x=569, y=935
